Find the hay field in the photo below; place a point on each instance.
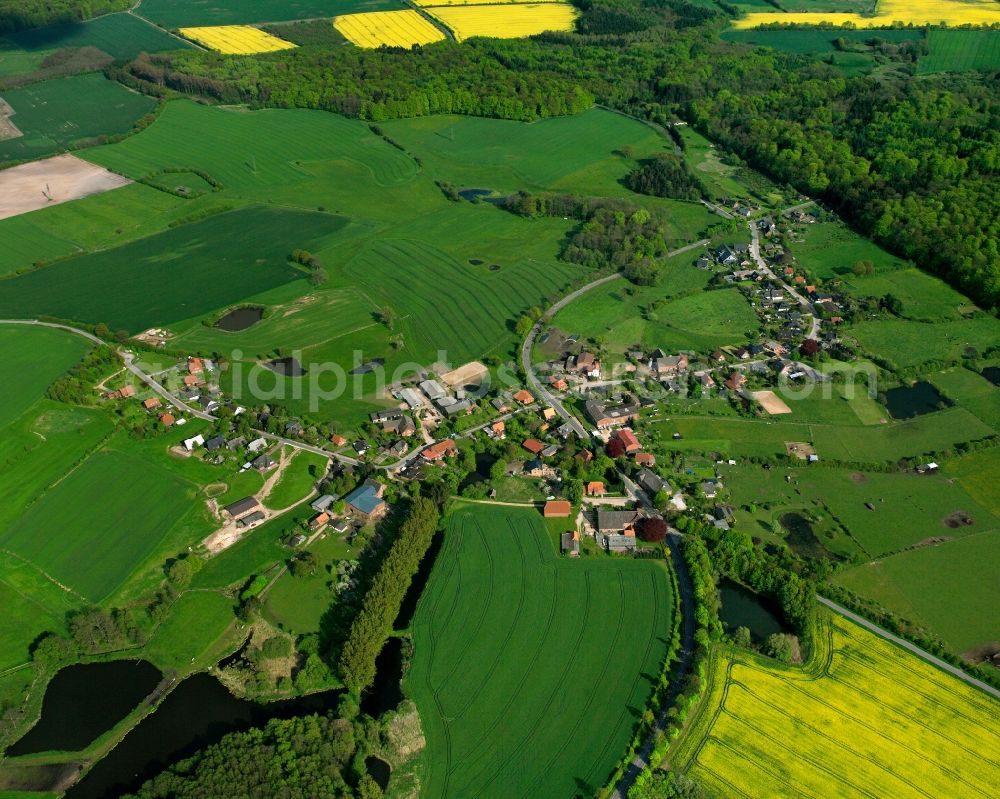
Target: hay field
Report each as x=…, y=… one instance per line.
x=388, y=29
x=236, y=39
x=529, y=670
x=507, y=21
x=923, y=12
x=865, y=718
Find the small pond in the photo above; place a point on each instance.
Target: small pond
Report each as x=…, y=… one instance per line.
x=992, y=373
x=474, y=194
x=286, y=367
x=906, y=402
x=741, y=607
x=240, y=319
x=84, y=701
x=195, y=715
x=379, y=771
x=386, y=693
x=801, y=536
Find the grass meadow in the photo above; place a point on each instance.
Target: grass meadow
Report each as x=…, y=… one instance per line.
x=906, y=343
x=174, y=275
x=298, y=480
x=813, y=41
x=121, y=36
x=923, y=296
x=950, y=588
x=174, y=14
x=830, y=249
x=862, y=718
x=979, y=474
x=971, y=391
x=55, y=114
x=530, y=671
x=299, y=603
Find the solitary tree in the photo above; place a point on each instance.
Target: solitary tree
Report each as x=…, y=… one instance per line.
x=652, y=529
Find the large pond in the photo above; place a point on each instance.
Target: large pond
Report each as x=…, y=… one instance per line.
x=84, y=701
x=906, y=402
x=287, y=367
x=743, y=608
x=240, y=319
x=992, y=373
x=196, y=714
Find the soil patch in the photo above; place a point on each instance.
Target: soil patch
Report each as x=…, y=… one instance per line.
x=799, y=449
x=934, y=540
x=8, y=130
x=52, y=181
x=771, y=402
x=470, y=373
x=957, y=519
x=988, y=653
x=858, y=477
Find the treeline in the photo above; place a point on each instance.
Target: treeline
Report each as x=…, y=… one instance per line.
x=911, y=163
x=298, y=758
x=19, y=15
x=76, y=387
x=373, y=623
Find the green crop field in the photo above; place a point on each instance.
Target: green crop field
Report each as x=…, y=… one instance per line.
x=979, y=474
x=31, y=358
x=905, y=343
x=57, y=113
x=971, y=391
x=529, y=671
x=183, y=13
x=92, y=547
x=175, y=275
x=956, y=51
x=949, y=587
x=863, y=718
x=121, y=36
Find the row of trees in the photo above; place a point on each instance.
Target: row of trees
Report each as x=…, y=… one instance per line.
x=384, y=597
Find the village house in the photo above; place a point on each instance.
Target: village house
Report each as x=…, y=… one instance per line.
x=194, y=441
x=652, y=483
x=241, y=507
x=337, y=441
x=319, y=520
x=264, y=463
x=365, y=502
x=584, y=455
x=498, y=429
x=439, y=450
x=195, y=366
x=618, y=543
x=645, y=459
x=167, y=419
x=323, y=503
x=502, y=404
x=569, y=544
x=735, y=381
x=558, y=383
x=617, y=521
x=413, y=399
x=628, y=440
x=256, y=445
x=533, y=445
x=595, y=488
x=214, y=443
x=604, y=417
x=548, y=414
x=538, y=469
x=433, y=389
x=251, y=519
x=524, y=397
x=585, y=364
x=670, y=365
x=710, y=489
x=152, y=402
x=557, y=509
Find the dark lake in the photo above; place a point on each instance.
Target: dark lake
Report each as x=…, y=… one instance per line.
x=992, y=373
x=287, y=367
x=386, y=693
x=741, y=607
x=907, y=402
x=379, y=770
x=196, y=714
x=240, y=319
x=84, y=701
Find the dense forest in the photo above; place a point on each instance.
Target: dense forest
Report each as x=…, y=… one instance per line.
x=16, y=15
x=911, y=162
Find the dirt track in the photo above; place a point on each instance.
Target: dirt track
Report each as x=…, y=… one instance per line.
x=52, y=181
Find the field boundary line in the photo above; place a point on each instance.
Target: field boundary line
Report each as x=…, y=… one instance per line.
x=916, y=650
x=47, y=576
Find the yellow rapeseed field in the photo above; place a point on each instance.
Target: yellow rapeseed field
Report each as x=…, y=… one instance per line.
x=236, y=39
x=391, y=28
x=508, y=21
x=434, y=3
x=919, y=12
x=864, y=718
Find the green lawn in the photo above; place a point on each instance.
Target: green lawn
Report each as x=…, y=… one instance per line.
x=298, y=479
x=298, y=603
x=122, y=36
x=955, y=51
x=31, y=359
x=54, y=114
x=529, y=670
x=175, y=275
x=174, y=14
x=196, y=623
x=93, y=547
